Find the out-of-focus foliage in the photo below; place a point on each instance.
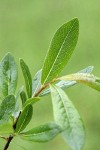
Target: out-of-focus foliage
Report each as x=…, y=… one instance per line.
x=26, y=28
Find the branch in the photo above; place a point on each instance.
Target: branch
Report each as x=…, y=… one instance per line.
x=9, y=139
x=4, y=138
x=43, y=87
x=8, y=142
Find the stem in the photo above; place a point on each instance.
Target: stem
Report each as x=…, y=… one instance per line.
x=14, y=126
x=43, y=87
x=8, y=142
x=9, y=139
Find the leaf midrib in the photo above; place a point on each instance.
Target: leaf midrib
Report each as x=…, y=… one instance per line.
x=23, y=121
x=40, y=133
x=27, y=79
x=59, y=52
x=63, y=105
x=68, y=118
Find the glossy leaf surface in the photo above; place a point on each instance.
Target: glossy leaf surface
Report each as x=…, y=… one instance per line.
x=27, y=77
x=60, y=51
x=23, y=97
x=24, y=118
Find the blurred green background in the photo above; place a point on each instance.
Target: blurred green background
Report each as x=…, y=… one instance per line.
x=26, y=29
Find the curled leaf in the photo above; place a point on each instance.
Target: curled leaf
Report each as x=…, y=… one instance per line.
x=87, y=79
x=36, y=83
x=66, y=84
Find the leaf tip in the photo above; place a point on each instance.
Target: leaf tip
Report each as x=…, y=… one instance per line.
x=8, y=54
x=76, y=20
x=20, y=60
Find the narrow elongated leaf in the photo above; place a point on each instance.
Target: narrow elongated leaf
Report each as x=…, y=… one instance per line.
x=18, y=92
x=17, y=98
x=8, y=75
x=67, y=117
x=36, y=84
x=61, y=49
x=16, y=112
x=6, y=128
x=23, y=97
x=67, y=84
x=27, y=77
x=43, y=133
x=7, y=108
x=24, y=118
x=88, y=79
x=31, y=101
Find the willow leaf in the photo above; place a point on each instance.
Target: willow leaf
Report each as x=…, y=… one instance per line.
x=27, y=77
x=66, y=84
x=24, y=118
x=31, y=101
x=36, y=84
x=67, y=117
x=87, y=79
x=6, y=128
x=60, y=51
x=43, y=133
x=7, y=108
x=23, y=97
x=8, y=75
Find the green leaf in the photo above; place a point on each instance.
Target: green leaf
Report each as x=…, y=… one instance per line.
x=88, y=79
x=67, y=84
x=60, y=51
x=23, y=97
x=17, y=111
x=8, y=75
x=27, y=77
x=43, y=133
x=67, y=117
x=6, y=128
x=24, y=118
x=36, y=84
x=7, y=108
x=19, y=91
x=31, y=101
x=17, y=99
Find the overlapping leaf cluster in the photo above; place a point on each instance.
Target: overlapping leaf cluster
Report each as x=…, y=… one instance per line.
x=67, y=120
